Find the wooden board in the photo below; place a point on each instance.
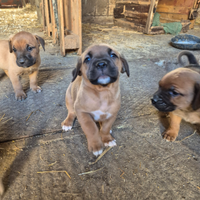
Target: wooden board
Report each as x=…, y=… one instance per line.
x=152, y=11
x=172, y=9
x=126, y=24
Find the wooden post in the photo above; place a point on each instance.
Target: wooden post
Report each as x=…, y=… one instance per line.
x=152, y=11
x=47, y=16
x=61, y=27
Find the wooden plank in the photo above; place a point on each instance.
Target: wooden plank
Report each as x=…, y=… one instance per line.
x=53, y=23
x=72, y=42
x=61, y=26
x=80, y=26
x=118, y=12
x=152, y=11
x=129, y=25
x=134, y=6
x=67, y=16
x=172, y=9
x=136, y=15
x=43, y=15
x=137, y=21
x=174, y=16
x=134, y=1
x=47, y=16
x=182, y=3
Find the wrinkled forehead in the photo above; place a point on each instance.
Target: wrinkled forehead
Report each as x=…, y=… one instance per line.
x=99, y=51
x=22, y=40
x=178, y=79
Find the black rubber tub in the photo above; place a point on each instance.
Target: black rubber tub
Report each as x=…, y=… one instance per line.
x=189, y=42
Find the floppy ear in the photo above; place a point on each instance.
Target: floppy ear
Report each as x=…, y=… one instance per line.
x=125, y=67
x=196, y=99
x=10, y=43
x=77, y=72
x=40, y=41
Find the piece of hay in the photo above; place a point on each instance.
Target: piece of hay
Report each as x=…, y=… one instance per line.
x=2, y=117
x=45, y=172
x=90, y=172
x=91, y=163
x=186, y=137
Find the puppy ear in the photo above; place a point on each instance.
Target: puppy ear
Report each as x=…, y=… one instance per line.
x=10, y=43
x=40, y=41
x=196, y=99
x=125, y=67
x=77, y=72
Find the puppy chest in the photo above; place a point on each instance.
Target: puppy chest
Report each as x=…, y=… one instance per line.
x=99, y=115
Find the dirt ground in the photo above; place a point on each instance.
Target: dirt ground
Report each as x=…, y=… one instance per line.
x=40, y=162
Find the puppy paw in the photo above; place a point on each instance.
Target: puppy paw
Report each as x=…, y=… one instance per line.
x=110, y=144
x=97, y=153
x=36, y=89
x=66, y=128
x=170, y=135
x=95, y=146
x=20, y=95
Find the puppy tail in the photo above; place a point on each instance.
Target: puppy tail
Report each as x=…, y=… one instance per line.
x=190, y=56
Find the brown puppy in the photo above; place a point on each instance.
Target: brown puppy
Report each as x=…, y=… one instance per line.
x=1, y=189
x=20, y=55
x=94, y=95
x=179, y=94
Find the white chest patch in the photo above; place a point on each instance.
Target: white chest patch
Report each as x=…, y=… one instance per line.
x=98, y=114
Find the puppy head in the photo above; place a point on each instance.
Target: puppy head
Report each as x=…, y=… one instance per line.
x=25, y=46
x=179, y=89
x=101, y=65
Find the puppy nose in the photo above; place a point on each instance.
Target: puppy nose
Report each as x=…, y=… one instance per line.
x=101, y=64
x=154, y=99
x=21, y=61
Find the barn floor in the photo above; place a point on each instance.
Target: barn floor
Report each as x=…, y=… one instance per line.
x=40, y=162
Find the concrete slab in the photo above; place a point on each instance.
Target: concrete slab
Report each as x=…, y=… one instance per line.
x=36, y=156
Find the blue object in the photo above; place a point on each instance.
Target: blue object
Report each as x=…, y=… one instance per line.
x=189, y=42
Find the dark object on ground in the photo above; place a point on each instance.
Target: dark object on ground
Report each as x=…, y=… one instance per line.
x=186, y=41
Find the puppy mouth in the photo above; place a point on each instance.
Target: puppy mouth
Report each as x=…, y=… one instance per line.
x=162, y=106
x=103, y=80
x=25, y=64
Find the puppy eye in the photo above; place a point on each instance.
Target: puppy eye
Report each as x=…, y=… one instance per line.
x=174, y=93
x=87, y=59
x=14, y=49
x=30, y=48
x=113, y=55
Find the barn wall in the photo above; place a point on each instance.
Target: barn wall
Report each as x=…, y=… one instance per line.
x=98, y=11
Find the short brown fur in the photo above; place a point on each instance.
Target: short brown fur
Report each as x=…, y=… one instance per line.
x=83, y=97
x=8, y=58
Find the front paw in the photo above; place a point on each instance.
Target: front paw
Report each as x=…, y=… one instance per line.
x=36, y=89
x=20, y=95
x=96, y=146
x=170, y=135
x=108, y=140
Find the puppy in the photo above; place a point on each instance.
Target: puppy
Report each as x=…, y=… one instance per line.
x=94, y=95
x=20, y=55
x=1, y=189
x=179, y=94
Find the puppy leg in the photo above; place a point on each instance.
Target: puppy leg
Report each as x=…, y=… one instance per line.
x=67, y=123
x=174, y=125
x=91, y=131
x=105, y=130
x=19, y=93
x=1, y=188
x=33, y=82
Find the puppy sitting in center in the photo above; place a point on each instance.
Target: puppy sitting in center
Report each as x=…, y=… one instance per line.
x=179, y=94
x=20, y=55
x=94, y=95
